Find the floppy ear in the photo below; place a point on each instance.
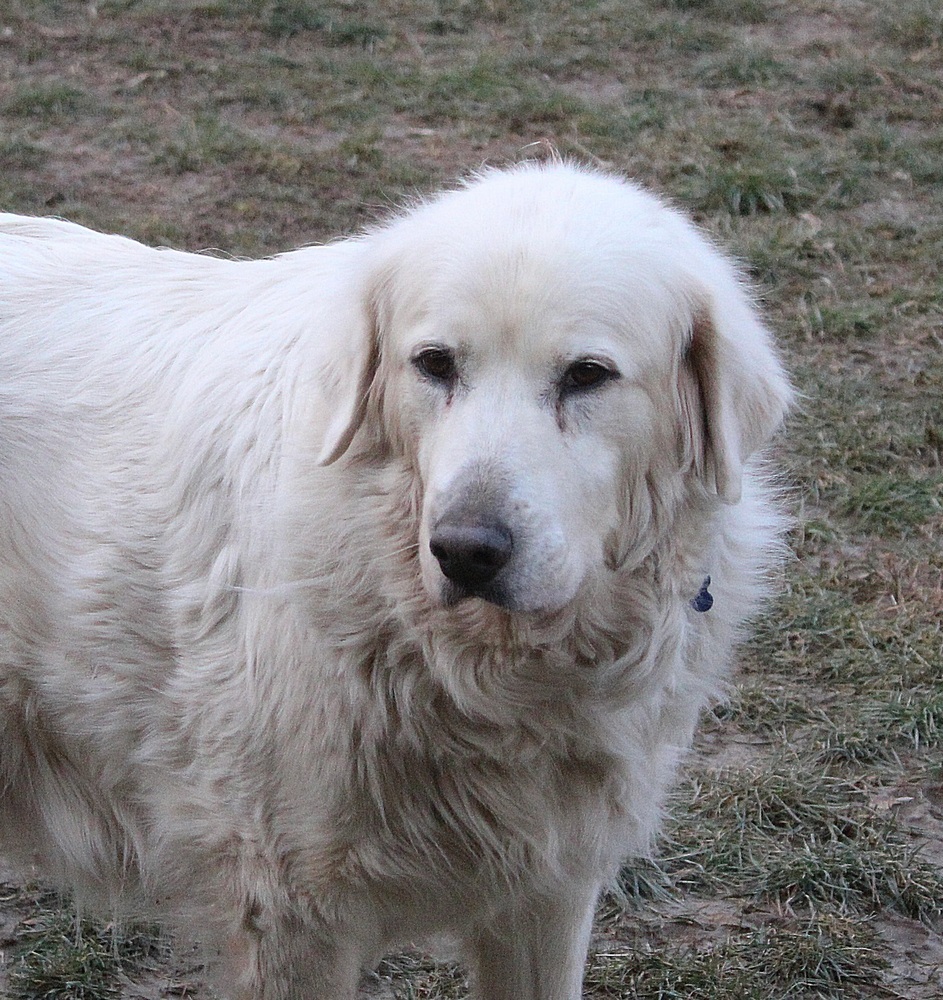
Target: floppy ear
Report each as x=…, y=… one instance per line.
x=734, y=393
x=345, y=385
x=345, y=365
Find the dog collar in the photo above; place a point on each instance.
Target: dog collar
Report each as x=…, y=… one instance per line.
x=705, y=599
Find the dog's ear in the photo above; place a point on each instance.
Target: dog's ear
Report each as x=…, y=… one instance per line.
x=346, y=368
x=346, y=384
x=734, y=392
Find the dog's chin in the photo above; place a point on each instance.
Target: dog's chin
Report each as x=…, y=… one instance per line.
x=452, y=595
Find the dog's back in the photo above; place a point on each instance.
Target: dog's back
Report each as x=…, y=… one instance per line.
x=143, y=399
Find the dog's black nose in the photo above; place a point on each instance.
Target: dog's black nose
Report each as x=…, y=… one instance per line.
x=471, y=554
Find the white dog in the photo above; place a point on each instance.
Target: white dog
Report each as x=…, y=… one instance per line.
x=358, y=595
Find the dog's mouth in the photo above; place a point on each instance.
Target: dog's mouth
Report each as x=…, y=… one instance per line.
x=455, y=593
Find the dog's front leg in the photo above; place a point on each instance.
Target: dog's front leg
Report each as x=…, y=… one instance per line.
x=536, y=951
x=291, y=960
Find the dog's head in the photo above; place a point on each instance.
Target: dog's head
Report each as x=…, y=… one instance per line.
x=552, y=348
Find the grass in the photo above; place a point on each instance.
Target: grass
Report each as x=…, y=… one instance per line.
x=801, y=837
x=803, y=135
x=891, y=504
x=413, y=976
x=206, y=142
x=823, y=957
x=63, y=957
x=49, y=100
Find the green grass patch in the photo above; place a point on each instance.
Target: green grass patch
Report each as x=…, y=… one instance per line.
x=206, y=142
x=50, y=100
x=913, y=719
x=287, y=18
x=849, y=745
x=743, y=67
x=64, y=958
x=891, y=505
x=828, y=957
x=641, y=882
x=914, y=24
x=851, y=322
x=738, y=11
x=21, y=154
x=854, y=877
x=745, y=188
x=791, y=833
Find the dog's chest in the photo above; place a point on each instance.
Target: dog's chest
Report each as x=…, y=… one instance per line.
x=460, y=813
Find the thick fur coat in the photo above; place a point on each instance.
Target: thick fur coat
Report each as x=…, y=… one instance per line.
x=346, y=596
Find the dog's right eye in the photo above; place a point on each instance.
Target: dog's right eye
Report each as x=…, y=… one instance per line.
x=437, y=364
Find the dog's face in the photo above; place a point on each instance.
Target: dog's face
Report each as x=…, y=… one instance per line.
x=521, y=403
x=545, y=347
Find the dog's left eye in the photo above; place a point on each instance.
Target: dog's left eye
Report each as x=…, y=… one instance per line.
x=582, y=375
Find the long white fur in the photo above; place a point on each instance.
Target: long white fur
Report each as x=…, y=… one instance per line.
x=232, y=694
